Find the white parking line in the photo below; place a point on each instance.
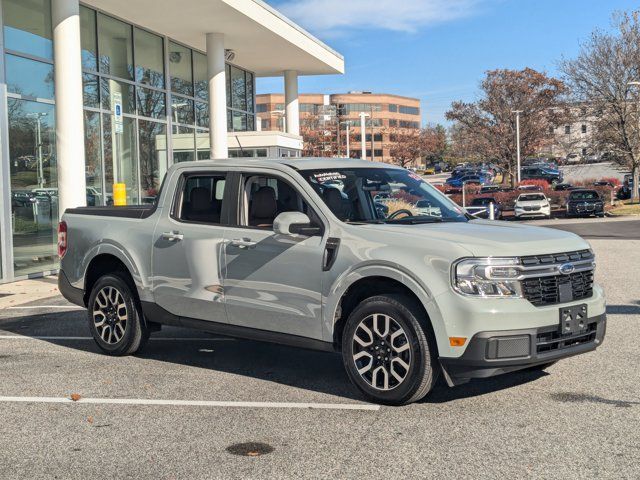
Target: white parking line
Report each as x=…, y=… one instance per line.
x=33, y=307
x=165, y=339
x=192, y=403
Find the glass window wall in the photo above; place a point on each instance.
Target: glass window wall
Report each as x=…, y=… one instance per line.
x=29, y=78
x=113, y=90
x=120, y=157
x=200, y=76
x=153, y=157
x=151, y=103
x=116, y=47
x=149, y=50
x=34, y=192
x=27, y=27
x=91, y=90
x=180, y=69
x=93, y=158
x=88, y=38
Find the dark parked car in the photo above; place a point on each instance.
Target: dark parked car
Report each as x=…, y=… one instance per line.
x=480, y=207
x=490, y=188
x=584, y=202
x=561, y=187
x=539, y=173
x=603, y=183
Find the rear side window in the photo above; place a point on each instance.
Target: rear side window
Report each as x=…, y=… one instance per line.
x=202, y=199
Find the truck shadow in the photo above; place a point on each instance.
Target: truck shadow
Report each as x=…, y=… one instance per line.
x=298, y=368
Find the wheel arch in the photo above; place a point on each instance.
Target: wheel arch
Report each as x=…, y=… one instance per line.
x=375, y=280
x=103, y=264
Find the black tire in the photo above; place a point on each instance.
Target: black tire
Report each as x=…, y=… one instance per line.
x=421, y=356
x=123, y=340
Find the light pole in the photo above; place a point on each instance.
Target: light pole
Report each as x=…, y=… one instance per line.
x=363, y=135
x=38, y=116
x=373, y=152
x=518, y=112
x=634, y=170
x=347, y=132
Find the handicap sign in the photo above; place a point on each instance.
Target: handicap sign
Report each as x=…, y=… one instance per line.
x=117, y=111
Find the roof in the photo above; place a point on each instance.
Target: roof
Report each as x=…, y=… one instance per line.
x=311, y=163
x=264, y=41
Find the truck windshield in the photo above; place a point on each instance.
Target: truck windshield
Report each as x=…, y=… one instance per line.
x=382, y=195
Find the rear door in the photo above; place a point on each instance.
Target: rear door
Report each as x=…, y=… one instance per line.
x=273, y=282
x=189, y=245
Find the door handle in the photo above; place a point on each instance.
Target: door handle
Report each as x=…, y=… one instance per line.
x=243, y=243
x=172, y=236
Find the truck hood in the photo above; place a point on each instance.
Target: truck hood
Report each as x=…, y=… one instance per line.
x=488, y=238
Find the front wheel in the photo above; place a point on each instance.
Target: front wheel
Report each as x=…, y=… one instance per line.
x=115, y=318
x=387, y=352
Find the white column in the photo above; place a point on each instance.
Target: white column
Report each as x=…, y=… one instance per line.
x=291, y=102
x=69, y=116
x=217, y=96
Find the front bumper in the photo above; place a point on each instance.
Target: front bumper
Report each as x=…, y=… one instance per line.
x=497, y=352
x=585, y=209
x=542, y=212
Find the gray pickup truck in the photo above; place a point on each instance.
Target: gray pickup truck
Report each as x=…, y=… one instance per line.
x=340, y=255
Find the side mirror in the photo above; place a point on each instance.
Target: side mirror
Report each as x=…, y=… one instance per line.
x=295, y=223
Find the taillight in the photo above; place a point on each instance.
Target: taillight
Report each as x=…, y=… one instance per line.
x=62, y=239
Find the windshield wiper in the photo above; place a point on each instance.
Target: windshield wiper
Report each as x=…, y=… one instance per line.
x=367, y=222
x=416, y=220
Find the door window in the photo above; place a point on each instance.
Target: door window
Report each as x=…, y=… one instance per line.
x=201, y=199
x=265, y=197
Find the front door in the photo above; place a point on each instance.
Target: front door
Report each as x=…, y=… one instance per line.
x=272, y=282
x=189, y=246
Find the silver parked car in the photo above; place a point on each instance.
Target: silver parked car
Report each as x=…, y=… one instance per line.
x=298, y=251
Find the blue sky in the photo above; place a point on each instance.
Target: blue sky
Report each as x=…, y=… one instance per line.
x=438, y=50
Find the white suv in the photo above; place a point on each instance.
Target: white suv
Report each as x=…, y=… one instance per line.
x=533, y=205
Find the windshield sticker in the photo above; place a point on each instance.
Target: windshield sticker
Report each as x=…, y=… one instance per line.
x=328, y=176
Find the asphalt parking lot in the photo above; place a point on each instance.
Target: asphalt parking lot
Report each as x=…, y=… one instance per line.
x=180, y=409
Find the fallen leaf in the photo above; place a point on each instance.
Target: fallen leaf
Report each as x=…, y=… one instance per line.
x=75, y=397
x=90, y=419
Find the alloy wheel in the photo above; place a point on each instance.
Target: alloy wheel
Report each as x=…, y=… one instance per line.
x=110, y=315
x=381, y=352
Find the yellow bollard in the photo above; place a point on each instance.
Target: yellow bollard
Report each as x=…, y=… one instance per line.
x=119, y=194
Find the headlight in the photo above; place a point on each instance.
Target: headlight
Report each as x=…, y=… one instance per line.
x=487, y=277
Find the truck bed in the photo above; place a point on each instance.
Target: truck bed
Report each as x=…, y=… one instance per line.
x=134, y=211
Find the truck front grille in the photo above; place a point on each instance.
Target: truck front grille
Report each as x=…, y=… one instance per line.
x=558, y=288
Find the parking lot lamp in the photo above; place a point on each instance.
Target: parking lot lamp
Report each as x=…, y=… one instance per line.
x=347, y=128
x=634, y=173
x=518, y=112
x=363, y=135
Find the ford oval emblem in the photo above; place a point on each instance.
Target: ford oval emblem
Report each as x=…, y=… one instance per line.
x=567, y=268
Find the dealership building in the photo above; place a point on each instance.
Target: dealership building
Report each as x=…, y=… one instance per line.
x=106, y=92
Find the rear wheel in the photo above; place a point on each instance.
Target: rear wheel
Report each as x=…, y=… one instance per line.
x=387, y=352
x=115, y=318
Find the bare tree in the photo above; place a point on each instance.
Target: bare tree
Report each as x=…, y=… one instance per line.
x=320, y=136
x=410, y=146
x=489, y=125
x=602, y=76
